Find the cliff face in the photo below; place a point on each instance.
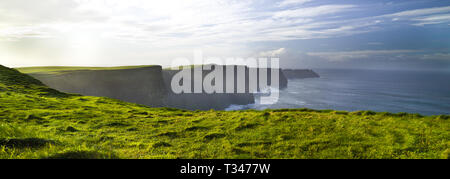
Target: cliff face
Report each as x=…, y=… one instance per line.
x=139, y=85
x=300, y=73
x=217, y=101
x=204, y=100
x=240, y=74
x=282, y=79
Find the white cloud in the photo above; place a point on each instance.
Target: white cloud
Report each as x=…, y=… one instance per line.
x=292, y=2
x=313, y=11
x=425, y=16
x=13, y=33
x=421, y=12
x=273, y=53
x=434, y=19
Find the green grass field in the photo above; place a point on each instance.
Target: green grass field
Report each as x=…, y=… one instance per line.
x=39, y=122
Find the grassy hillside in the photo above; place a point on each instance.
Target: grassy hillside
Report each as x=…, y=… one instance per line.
x=38, y=122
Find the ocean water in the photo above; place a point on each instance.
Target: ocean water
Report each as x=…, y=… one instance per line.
x=423, y=92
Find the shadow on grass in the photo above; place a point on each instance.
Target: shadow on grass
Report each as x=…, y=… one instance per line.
x=83, y=155
x=213, y=136
x=25, y=143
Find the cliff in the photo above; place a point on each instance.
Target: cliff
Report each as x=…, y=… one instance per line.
x=142, y=85
x=237, y=75
x=300, y=73
x=282, y=79
x=147, y=85
x=204, y=101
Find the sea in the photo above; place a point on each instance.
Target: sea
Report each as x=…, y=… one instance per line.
x=422, y=92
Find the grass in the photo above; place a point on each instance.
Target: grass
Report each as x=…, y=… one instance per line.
x=38, y=122
x=62, y=69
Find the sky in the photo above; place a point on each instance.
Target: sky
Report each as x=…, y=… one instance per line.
x=367, y=34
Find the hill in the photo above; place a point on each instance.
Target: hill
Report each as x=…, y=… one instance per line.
x=39, y=122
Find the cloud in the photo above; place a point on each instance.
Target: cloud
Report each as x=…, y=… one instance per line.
x=13, y=33
x=313, y=11
x=273, y=53
x=350, y=55
x=172, y=23
x=292, y=2
x=436, y=56
x=144, y=28
x=425, y=16
x=168, y=23
x=421, y=12
x=44, y=11
x=434, y=19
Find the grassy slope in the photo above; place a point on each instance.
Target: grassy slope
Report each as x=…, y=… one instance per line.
x=62, y=69
x=38, y=122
